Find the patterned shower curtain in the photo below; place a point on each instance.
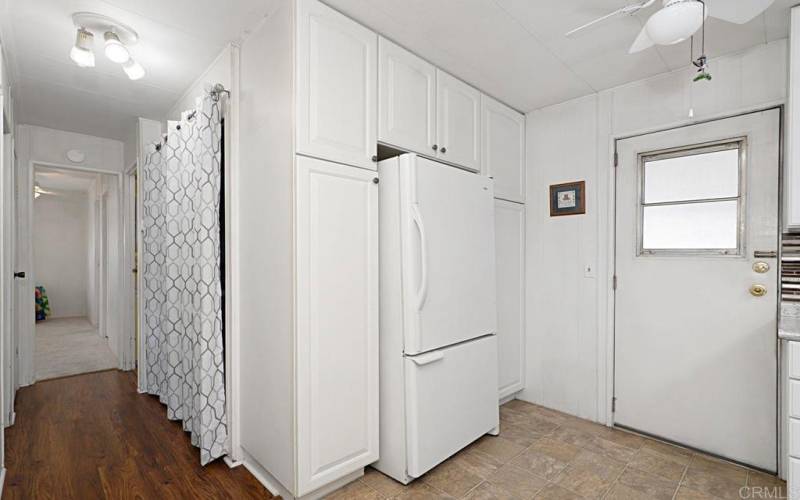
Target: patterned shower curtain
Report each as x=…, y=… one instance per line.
x=182, y=291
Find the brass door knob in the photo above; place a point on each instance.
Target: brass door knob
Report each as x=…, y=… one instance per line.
x=760, y=267
x=758, y=290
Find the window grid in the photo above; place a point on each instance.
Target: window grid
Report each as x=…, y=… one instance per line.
x=738, y=144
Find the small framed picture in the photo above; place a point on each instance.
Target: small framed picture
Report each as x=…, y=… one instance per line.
x=568, y=198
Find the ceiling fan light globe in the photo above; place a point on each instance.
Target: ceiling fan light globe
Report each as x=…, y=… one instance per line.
x=675, y=22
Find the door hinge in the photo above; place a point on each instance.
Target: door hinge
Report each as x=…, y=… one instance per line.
x=614, y=282
x=616, y=159
x=613, y=404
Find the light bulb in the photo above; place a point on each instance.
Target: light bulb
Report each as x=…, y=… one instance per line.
x=115, y=50
x=133, y=69
x=82, y=52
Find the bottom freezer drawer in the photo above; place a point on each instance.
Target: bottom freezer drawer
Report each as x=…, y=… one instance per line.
x=451, y=400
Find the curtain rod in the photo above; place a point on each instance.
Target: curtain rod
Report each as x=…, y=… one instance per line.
x=215, y=93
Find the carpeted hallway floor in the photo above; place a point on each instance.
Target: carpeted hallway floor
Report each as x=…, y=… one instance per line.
x=69, y=346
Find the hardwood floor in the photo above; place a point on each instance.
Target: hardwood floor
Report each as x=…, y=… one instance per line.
x=93, y=436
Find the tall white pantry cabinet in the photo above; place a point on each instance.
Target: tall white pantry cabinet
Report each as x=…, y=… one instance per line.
x=314, y=88
x=308, y=291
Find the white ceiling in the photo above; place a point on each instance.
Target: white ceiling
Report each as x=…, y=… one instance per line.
x=516, y=50
x=178, y=40
x=64, y=180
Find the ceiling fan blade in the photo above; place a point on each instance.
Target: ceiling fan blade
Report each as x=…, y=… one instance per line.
x=643, y=41
x=628, y=9
x=737, y=11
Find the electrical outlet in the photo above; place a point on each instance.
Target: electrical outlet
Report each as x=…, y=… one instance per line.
x=588, y=271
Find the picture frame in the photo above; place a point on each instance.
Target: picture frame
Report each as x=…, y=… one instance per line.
x=568, y=198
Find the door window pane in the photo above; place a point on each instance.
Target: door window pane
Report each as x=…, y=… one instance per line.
x=692, y=177
x=691, y=226
x=691, y=200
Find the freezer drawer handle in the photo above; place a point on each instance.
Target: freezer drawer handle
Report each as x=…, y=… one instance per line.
x=422, y=293
x=426, y=359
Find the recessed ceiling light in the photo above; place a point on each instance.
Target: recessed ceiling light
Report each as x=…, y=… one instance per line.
x=133, y=69
x=82, y=52
x=116, y=50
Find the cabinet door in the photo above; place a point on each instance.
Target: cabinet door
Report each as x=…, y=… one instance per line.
x=406, y=99
x=458, y=122
x=503, y=147
x=336, y=322
x=337, y=104
x=510, y=251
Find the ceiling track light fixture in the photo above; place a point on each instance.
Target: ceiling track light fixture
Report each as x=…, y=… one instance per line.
x=117, y=37
x=115, y=50
x=82, y=52
x=133, y=69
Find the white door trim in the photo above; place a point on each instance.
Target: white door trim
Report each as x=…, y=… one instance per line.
x=608, y=220
x=26, y=347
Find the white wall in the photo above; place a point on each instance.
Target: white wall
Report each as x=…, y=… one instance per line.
x=567, y=313
x=60, y=250
x=218, y=72
x=92, y=255
x=113, y=327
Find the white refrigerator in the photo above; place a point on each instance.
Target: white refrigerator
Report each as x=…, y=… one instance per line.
x=438, y=349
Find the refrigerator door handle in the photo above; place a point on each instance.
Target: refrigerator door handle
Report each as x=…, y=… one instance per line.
x=422, y=293
x=428, y=358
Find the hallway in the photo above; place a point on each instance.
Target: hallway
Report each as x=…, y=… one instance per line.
x=94, y=436
x=70, y=346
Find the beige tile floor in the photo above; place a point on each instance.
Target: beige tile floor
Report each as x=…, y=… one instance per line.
x=545, y=454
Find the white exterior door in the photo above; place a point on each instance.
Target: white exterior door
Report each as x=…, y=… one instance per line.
x=406, y=99
x=695, y=347
x=503, y=149
x=337, y=321
x=458, y=122
x=337, y=104
x=448, y=254
x=510, y=248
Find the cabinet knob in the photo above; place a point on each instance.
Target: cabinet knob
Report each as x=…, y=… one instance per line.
x=435, y=147
x=375, y=158
x=375, y=180
x=444, y=149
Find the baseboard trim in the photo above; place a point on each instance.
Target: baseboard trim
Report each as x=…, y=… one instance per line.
x=509, y=397
x=264, y=477
x=276, y=488
x=232, y=464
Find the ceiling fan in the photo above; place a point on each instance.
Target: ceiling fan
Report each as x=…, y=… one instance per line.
x=678, y=20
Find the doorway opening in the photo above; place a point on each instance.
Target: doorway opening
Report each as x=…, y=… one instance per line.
x=697, y=221
x=74, y=234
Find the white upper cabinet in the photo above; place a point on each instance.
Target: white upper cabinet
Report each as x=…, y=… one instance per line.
x=503, y=149
x=510, y=250
x=458, y=122
x=337, y=105
x=337, y=321
x=407, y=99
x=792, y=189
